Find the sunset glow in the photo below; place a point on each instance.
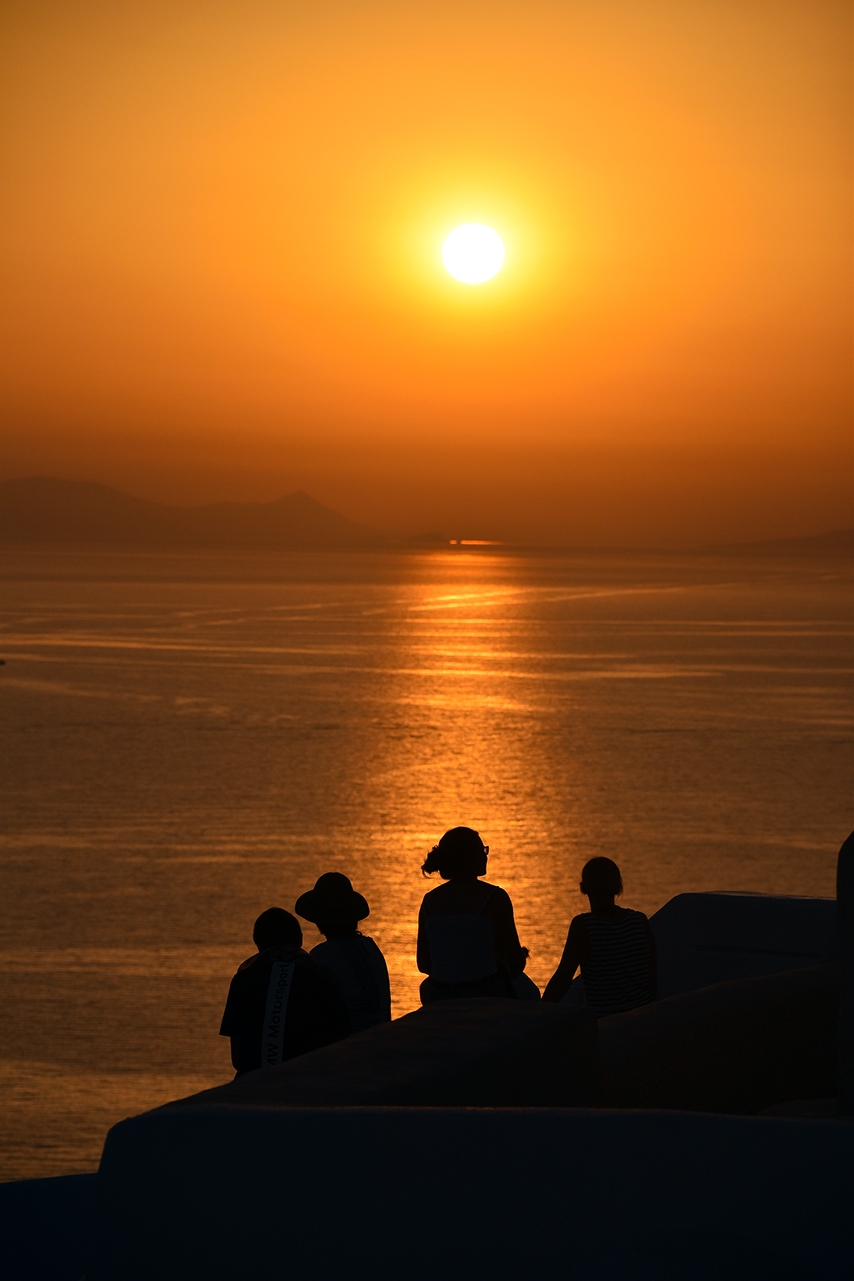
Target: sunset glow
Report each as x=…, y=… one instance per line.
x=223, y=268
x=473, y=253
x=420, y=418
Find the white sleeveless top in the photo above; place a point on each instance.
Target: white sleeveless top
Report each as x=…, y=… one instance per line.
x=462, y=947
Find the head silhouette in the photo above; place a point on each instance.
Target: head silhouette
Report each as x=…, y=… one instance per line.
x=601, y=878
x=333, y=905
x=276, y=927
x=460, y=852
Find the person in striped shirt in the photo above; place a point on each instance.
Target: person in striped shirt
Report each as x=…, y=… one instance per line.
x=614, y=946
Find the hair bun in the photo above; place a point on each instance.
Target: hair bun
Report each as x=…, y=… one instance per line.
x=460, y=852
x=431, y=862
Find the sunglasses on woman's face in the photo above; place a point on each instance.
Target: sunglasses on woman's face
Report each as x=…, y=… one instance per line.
x=485, y=850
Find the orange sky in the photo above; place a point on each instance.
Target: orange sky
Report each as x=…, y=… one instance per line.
x=223, y=254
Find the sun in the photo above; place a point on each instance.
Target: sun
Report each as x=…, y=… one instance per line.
x=473, y=253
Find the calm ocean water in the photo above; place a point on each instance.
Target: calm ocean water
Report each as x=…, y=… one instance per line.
x=189, y=739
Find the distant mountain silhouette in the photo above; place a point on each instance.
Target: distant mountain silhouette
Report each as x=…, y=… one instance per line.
x=838, y=543
x=42, y=509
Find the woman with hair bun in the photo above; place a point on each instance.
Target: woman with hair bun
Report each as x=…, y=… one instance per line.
x=614, y=946
x=467, y=940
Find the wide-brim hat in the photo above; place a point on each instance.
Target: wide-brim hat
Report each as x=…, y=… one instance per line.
x=333, y=897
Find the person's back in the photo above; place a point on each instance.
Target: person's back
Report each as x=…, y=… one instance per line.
x=459, y=931
x=614, y=947
x=615, y=971
x=281, y=1003
x=362, y=975
x=354, y=959
x=467, y=940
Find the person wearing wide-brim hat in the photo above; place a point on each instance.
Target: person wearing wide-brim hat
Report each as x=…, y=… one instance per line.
x=354, y=958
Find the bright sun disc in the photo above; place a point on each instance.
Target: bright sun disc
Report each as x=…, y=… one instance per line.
x=473, y=253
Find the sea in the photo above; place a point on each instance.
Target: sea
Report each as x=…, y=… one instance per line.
x=190, y=738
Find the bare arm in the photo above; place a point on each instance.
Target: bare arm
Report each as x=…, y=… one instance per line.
x=422, y=949
x=574, y=952
x=510, y=954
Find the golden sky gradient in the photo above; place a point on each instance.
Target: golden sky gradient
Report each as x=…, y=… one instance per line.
x=223, y=252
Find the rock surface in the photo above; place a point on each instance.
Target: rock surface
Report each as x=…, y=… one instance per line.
x=471, y=1053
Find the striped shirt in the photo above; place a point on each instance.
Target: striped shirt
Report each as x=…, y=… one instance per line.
x=616, y=973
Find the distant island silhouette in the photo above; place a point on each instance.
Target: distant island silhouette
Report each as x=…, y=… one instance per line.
x=839, y=542
x=44, y=509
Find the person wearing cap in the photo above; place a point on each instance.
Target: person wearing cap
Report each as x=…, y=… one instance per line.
x=467, y=940
x=280, y=1003
x=354, y=958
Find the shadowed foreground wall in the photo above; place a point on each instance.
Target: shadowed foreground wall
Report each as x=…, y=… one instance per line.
x=711, y=938
x=226, y=1193
x=732, y=1047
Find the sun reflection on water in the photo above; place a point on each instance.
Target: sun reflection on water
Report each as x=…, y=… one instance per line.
x=193, y=747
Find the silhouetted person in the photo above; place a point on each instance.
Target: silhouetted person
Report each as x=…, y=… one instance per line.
x=613, y=945
x=354, y=958
x=280, y=1003
x=845, y=910
x=467, y=940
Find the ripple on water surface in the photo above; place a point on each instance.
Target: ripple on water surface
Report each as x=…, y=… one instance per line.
x=195, y=738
